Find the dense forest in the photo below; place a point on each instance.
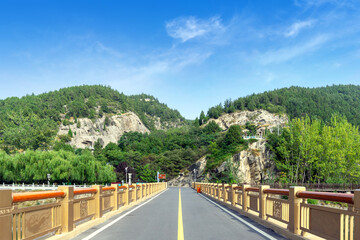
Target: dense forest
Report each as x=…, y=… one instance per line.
x=318, y=103
x=31, y=122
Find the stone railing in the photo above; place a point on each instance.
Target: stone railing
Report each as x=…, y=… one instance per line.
x=33, y=186
x=287, y=211
x=68, y=209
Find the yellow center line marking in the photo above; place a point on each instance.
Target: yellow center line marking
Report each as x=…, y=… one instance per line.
x=180, y=220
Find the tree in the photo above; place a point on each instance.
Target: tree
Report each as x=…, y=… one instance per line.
x=233, y=135
x=70, y=133
x=202, y=118
x=211, y=128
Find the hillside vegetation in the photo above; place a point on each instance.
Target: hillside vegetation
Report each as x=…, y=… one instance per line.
x=318, y=103
x=31, y=122
x=309, y=151
x=321, y=143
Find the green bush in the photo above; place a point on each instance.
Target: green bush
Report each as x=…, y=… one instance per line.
x=313, y=201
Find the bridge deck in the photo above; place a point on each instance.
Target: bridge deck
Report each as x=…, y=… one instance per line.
x=158, y=219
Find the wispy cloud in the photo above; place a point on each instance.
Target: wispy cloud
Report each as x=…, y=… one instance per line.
x=187, y=28
x=102, y=48
x=288, y=53
x=317, y=3
x=296, y=27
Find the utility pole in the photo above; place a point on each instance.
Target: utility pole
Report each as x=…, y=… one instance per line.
x=129, y=179
x=126, y=174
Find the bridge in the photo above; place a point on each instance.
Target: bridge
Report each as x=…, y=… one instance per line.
x=153, y=211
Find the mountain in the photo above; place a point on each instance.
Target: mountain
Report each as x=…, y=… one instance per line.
x=33, y=121
x=318, y=103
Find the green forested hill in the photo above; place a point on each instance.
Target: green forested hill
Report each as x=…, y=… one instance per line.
x=31, y=122
x=319, y=103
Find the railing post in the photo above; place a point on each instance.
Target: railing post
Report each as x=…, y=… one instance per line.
x=233, y=194
x=98, y=205
x=294, y=208
x=218, y=191
x=262, y=201
x=357, y=216
x=67, y=209
x=225, y=193
x=5, y=213
x=126, y=195
x=141, y=190
x=116, y=196
x=245, y=197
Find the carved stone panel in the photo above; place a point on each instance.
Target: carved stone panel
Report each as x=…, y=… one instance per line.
x=106, y=202
x=277, y=210
x=324, y=223
x=253, y=203
x=37, y=222
x=83, y=209
x=230, y=197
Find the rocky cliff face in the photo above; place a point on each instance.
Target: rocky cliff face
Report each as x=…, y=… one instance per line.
x=86, y=132
x=252, y=165
x=261, y=118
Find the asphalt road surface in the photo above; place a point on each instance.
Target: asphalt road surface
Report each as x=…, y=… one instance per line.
x=178, y=214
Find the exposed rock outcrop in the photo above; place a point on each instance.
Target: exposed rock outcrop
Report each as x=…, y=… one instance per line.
x=86, y=132
x=261, y=118
x=165, y=125
x=253, y=165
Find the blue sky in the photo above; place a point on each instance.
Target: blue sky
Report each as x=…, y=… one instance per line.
x=191, y=55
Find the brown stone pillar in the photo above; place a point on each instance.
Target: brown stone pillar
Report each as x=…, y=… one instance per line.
x=218, y=187
x=98, y=205
x=126, y=194
x=245, y=197
x=225, y=197
x=262, y=201
x=233, y=194
x=294, y=209
x=357, y=216
x=115, y=197
x=5, y=213
x=67, y=209
x=141, y=190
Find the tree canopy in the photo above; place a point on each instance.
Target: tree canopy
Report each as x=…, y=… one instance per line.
x=296, y=102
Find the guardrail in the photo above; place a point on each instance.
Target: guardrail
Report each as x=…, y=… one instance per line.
x=291, y=215
x=71, y=208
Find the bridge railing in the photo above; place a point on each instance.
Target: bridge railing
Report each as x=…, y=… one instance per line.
x=287, y=210
x=65, y=208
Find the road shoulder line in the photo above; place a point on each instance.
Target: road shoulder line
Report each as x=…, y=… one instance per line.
x=240, y=219
x=121, y=217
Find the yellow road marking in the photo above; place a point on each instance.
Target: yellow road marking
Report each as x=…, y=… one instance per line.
x=180, y=220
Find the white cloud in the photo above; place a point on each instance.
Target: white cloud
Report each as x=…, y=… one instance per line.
x=288, y=53
x=296, y=27
x=186, y=28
